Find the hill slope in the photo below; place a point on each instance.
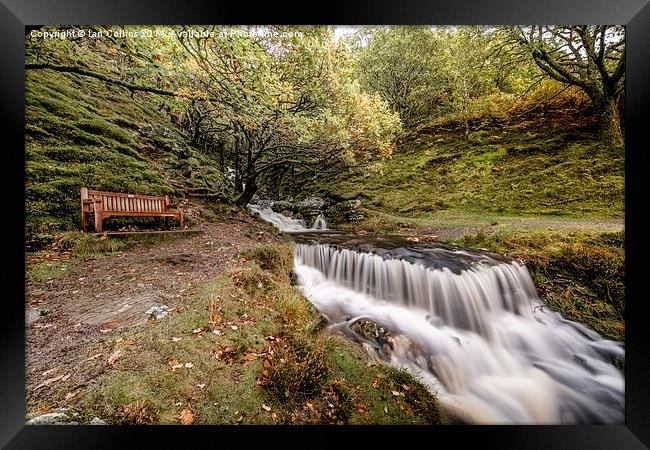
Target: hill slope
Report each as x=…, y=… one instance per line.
x=543, y=164
x=83, y=132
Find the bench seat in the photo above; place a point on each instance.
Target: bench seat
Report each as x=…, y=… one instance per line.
x=102, y=204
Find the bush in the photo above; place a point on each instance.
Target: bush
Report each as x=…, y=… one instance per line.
x=298, y=370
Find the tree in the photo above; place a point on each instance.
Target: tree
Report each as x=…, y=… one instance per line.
x=283, y=99
x=398, y=63
x=589, y=57
x=464, y=61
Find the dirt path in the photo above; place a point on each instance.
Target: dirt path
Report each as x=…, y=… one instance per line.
x=101, y=295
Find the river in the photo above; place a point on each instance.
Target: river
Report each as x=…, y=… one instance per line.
x=468, y=324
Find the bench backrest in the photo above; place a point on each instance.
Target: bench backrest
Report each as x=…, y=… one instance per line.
x=116, y=201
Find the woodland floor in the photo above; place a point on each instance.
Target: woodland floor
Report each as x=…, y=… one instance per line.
x=104, y=294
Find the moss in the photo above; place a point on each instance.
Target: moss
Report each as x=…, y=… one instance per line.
x=82, y=132
x=98, y=126
x=557, y=170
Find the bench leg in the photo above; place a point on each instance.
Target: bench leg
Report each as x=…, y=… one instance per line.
x=84, y=222
x=98, y=222
x=180, y=216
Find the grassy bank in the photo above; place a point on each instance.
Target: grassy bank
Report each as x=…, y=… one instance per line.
x=248, y=348
x=109, y=140
x=543, y=165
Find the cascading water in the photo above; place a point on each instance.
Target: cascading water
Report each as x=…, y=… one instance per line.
x=319, y=223
x=474, y=330
x=287, y=224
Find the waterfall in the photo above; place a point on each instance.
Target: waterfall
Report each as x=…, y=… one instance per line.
x=479, y=336
x=319, y=223
x=287, y=224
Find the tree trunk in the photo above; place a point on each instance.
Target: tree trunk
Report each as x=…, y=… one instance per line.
x=610, y=122
x=247, y=195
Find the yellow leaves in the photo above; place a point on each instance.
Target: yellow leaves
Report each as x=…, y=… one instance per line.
x=192, y=93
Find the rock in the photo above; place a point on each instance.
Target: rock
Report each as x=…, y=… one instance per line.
x=97, y=421
x=281, y=206
x=344, y=212
x=34, y=314
x=158, y=312
x=55, y=417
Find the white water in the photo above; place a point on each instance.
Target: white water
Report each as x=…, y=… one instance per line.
x=319, y=223
x=287, y=224
x=481, y=338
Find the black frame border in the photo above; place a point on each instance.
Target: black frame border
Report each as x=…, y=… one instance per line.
x=16, y=14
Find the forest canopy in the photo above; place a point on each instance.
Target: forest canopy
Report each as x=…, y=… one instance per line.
x=263, y=101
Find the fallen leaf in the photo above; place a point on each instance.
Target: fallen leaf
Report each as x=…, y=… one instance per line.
x=250, y=357
x=234, y=327
x=274, y=415
x=395, y=393
x=200, y=385
x=49, y=381
x=95, y=356
x=186, y=417
x=217, y=332
x=105, y=330
x=47, y=372
x=176, y=339
x=119, y=339
x=189, y=365
x=266, y=408
x=375, y=384
x=65, y=377
x=70, y=395
x=197, y=330
x=386, y=409
x=176, y=366
x=114, y=356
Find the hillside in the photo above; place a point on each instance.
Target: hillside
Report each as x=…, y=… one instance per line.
x=547, y=163
x=83, y=132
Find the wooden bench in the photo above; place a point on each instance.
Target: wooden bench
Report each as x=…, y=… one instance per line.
x=108, y=204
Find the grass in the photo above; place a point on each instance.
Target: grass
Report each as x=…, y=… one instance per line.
x=50, y=270
x=543, y=167
x=248, y=348
x=79, y=132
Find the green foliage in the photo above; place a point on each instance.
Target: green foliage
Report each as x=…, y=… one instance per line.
x=399, y=64
x=429, y=72
x=552, y=167
x=286, y=101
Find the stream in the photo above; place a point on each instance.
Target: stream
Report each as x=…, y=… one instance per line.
x=468, y=324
